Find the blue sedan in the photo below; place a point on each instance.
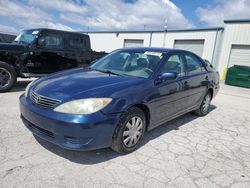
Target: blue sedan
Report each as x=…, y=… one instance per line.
x=118, y=98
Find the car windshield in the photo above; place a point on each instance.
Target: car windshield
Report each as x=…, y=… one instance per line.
x=26, y=37
x=129, y=63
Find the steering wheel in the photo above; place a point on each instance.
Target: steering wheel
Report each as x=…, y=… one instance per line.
x=148, y=71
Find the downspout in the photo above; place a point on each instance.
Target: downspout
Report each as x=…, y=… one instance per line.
x=164, y=38
x=215, y=43
x=150, y=39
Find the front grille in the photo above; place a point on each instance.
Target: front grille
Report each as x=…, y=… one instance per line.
x=36, y=129
x=43, y=101
x=40, y=130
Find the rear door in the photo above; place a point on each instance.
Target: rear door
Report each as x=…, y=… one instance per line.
x=198, y=79
x=78, y=51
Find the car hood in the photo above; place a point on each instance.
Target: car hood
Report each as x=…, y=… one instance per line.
x=78, y=83
x=12, y=46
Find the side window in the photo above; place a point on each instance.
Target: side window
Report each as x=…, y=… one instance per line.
x=174, y=64
x=53, y=41
x=194, y=66
x=76, y=43
x=83, y=43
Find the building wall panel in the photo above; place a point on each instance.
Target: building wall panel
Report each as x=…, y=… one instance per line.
x=234, y=34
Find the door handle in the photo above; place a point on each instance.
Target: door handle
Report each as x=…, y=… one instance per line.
x=206, y=77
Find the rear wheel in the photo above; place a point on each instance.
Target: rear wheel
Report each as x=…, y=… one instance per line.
x=8, y=77
x=129, y=131
x=205, y=105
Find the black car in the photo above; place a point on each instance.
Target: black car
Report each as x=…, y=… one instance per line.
x=37, y=52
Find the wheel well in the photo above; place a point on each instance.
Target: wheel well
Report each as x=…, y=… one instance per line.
x=211, y=91
x=146, y=111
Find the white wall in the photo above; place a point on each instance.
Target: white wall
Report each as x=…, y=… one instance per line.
x=207, y=36
x=234, y=33
x=217, y=44
x=112, y=41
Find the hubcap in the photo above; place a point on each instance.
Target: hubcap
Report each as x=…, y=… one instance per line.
x=5, y=77
x=206, y=103
x=133, y=131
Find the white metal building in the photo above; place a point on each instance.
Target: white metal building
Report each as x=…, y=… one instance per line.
x=223, y=46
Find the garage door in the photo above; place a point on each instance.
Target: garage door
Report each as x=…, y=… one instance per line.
x=195, y=46
x=130, y=43
x=240, y=55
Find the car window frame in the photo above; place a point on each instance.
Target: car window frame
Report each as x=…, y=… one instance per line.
x=197, y=58
x=167, y=58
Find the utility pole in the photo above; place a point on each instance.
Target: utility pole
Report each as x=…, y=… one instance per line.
x=165, y=33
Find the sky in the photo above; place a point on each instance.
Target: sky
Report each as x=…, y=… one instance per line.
x=103, y=15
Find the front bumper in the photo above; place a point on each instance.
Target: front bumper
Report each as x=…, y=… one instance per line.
x=75, y=132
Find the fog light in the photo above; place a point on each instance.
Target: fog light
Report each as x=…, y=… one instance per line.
x=78, y=140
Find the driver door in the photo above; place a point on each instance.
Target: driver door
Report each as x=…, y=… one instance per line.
x=50, y=56
x=172, y=94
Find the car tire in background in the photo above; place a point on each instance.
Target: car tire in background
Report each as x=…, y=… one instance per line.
x=205, y=105
x=8, y=77
x=130, y=130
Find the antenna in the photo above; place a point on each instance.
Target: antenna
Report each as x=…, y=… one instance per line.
x=166, y=24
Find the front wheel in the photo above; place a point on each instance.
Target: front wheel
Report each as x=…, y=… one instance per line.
x=8, y=77
x=129, y=131
x=205, y=105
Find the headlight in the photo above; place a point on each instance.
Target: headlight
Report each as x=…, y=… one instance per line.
x=83, y=106
x=28, y=88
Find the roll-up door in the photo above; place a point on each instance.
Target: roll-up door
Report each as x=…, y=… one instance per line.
x=129, y=43
x=195, y=46
x=240, y=55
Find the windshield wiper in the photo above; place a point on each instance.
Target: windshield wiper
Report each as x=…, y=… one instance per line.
x=108, y=72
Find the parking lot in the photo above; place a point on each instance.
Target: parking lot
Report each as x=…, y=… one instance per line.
x=211, y=151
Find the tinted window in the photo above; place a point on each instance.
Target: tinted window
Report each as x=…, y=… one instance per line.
x=77, y=43
x=53, y=41
x=174, y=64
x=194, y=65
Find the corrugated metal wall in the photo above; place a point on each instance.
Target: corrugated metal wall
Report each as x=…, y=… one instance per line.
x=234, y=34
x=109, y=41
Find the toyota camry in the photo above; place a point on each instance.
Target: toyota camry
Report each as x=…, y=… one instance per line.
x=120, y=97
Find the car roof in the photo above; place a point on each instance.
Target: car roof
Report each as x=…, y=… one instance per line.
x=56, y=30
x=154, y=49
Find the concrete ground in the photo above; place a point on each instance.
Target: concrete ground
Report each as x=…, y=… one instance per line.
x=211, y=151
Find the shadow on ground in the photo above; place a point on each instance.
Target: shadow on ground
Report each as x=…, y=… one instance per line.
x=101, y=155
x=20, y=85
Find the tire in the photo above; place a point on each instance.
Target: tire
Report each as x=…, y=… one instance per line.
x=8, y=77
x=205, y=105
x=126, y=140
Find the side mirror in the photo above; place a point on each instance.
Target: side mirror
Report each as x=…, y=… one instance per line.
x=93, y=62
x=168, y=76
x=41, y=41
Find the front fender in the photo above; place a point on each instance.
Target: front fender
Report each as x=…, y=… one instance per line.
x=124, y=99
